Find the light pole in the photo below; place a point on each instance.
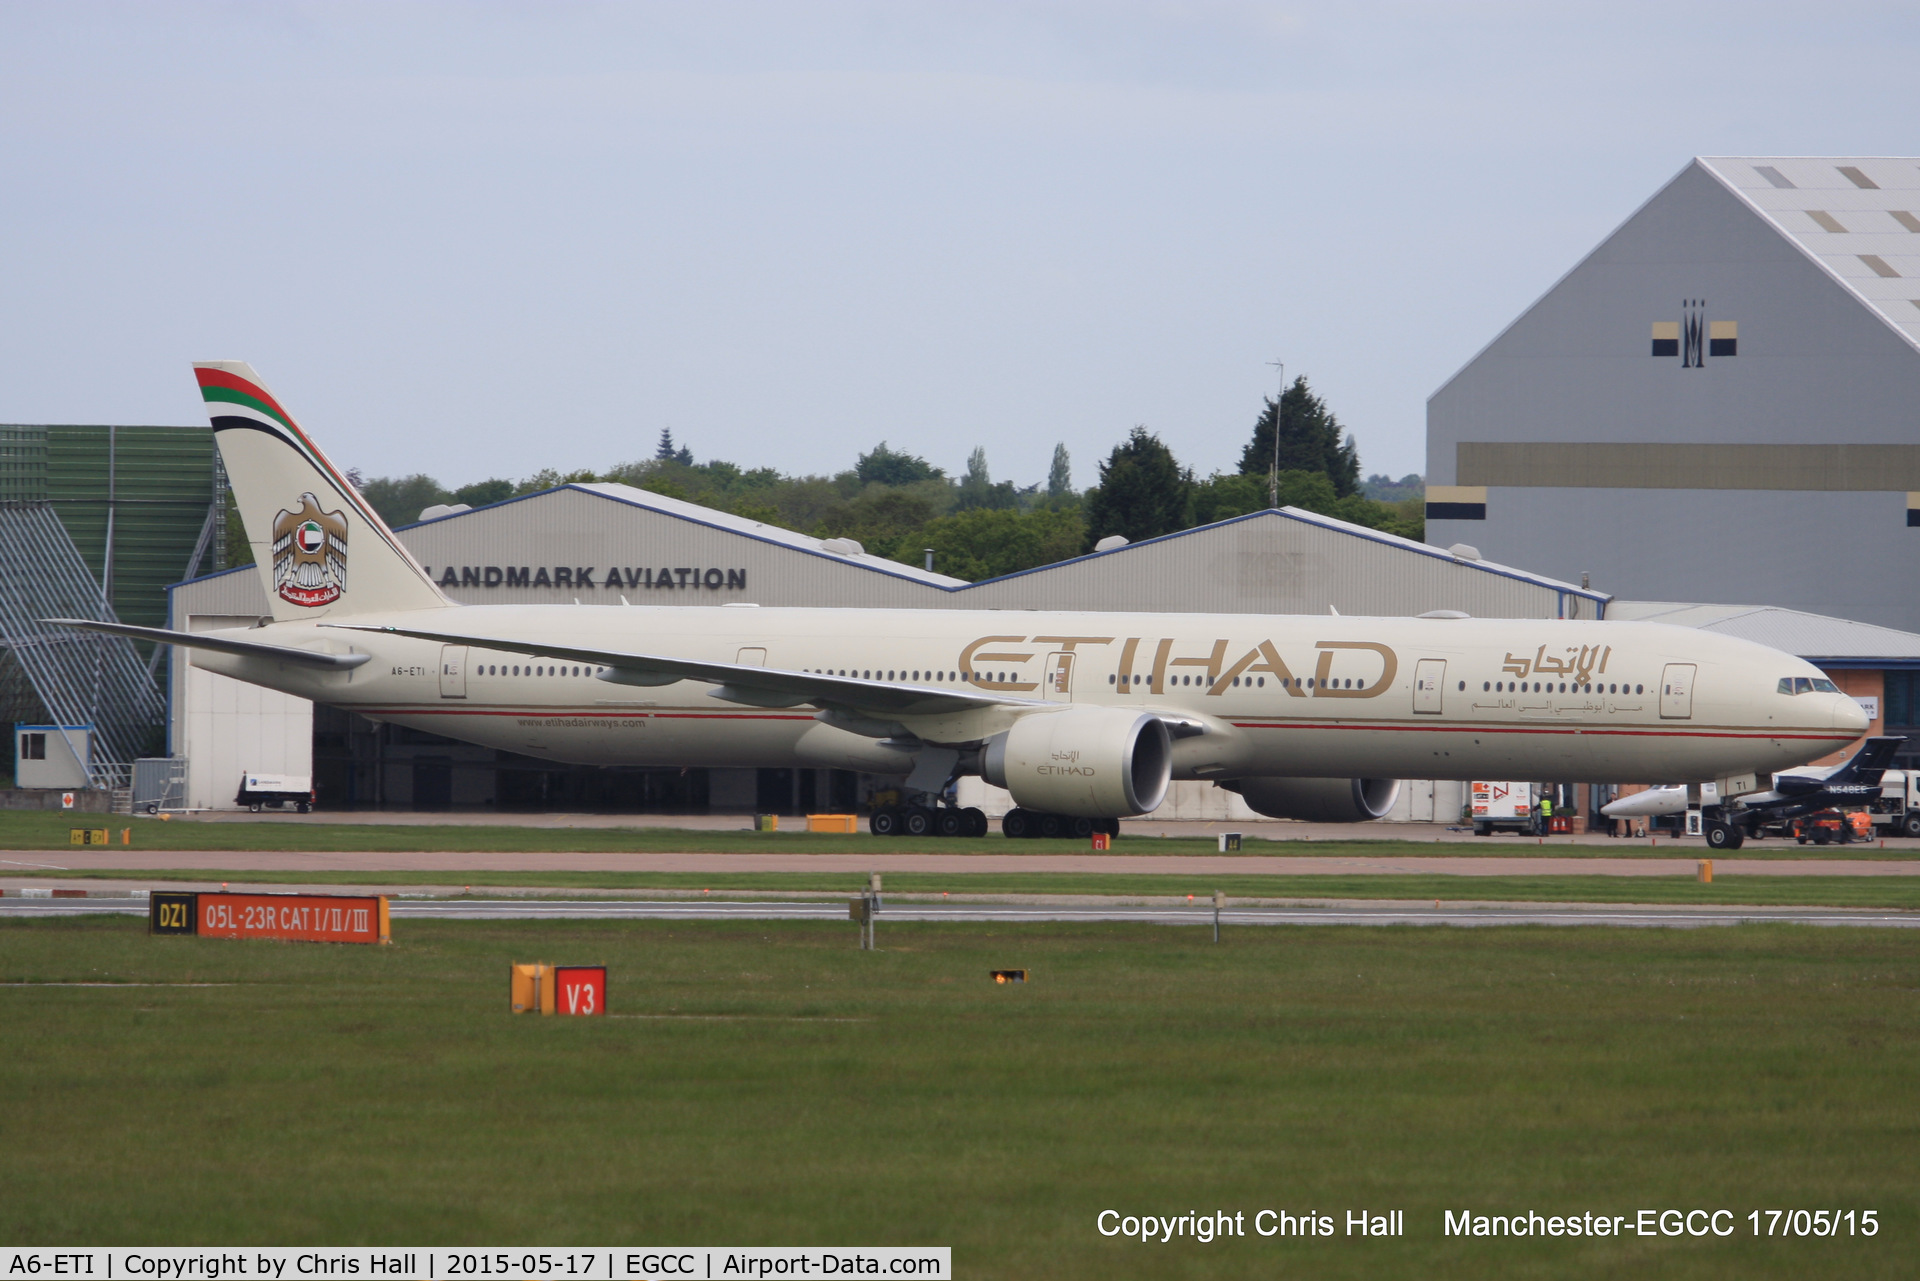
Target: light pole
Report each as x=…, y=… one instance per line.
x=1273, y=472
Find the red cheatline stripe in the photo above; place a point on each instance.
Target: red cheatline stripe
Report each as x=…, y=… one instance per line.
x=1583, y=730
x=534, y=713
x=233, y=382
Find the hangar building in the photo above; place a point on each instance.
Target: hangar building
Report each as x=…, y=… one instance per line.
x=1721, y=402
x=604, y=544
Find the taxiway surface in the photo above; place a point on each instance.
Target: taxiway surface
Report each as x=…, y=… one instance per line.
x=905, y=913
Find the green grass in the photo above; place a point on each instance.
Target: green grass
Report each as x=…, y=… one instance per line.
x=1809, y=891
x=39, y=830
x=786, y=1088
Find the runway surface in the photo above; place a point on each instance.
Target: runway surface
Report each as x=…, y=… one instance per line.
x=907, y=913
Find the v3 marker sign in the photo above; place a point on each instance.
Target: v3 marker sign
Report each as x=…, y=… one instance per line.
x=580, y=989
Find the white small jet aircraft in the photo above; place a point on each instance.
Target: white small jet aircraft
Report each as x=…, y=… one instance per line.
x=1083, y=717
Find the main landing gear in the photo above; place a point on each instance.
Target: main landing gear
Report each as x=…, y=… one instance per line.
x=1723, y=835
x=927, y=820
x=1019, y=824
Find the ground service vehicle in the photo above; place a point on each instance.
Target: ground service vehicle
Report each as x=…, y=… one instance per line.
x=1507, y=807
x=1897, y=810
x=272, y=791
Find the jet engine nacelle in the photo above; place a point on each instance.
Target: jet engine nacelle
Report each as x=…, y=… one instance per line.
x=1088, y=762
x=1319, y=800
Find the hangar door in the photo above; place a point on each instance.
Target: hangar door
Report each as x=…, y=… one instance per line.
x=1676, y=691
x=1429, y=676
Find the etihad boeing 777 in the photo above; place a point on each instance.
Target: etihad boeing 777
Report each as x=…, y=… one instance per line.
x=1083, y=717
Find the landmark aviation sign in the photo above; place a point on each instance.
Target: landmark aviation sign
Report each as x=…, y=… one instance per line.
x=583, y=577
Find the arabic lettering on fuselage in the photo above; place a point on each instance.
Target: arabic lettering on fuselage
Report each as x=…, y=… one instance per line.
x=1583, y=663
x=984, y=666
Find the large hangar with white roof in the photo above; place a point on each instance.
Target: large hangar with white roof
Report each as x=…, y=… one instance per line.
x=614, y=545
x=1719, y=403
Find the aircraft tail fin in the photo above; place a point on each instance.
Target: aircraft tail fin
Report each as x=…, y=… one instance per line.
x=1869, y=763
x=305, y=522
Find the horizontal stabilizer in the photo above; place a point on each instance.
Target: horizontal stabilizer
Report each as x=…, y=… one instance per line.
x=1864, y=770
x=221, y=644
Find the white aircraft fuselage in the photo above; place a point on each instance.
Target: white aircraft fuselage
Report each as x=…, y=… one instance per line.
x=1079, y=714
x=1304, y=696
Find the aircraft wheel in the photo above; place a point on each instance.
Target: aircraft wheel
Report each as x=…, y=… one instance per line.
x=1910, y=824
x=884, y=822
x=1724, y=836
x=1050, y=824
x=974, y=822
x=1112, y=827
x=916, y=821
x=949, y=822
x=1017, y=824
x=1082, y=828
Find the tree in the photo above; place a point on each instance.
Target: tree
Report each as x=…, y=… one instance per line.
x=1060, y=475
x=886, y=467
x=977, y=489
x=666, y=449
x=878, y=518
x=482, y=492
x=1143, y=493
x=400, y=499
x=548, y=478
x=981, y=543
x=1310, y=440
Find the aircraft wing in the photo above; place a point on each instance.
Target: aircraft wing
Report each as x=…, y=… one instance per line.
x=220, y=644
x=738, y=683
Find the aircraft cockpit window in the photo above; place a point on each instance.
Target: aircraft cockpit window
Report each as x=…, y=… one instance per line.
x=1802, y=685
x=1824, y=686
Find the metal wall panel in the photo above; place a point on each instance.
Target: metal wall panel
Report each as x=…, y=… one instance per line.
x=1816, y=368
x=573, y=529
x=159, y=482
x=1273, y=563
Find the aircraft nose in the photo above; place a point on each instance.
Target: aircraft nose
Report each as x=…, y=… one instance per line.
x=1850, y=716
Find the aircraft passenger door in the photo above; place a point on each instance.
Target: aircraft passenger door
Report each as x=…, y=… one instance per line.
x=1058, y=685
x=1676, y=691
x=453, y=671
x=1429, y=678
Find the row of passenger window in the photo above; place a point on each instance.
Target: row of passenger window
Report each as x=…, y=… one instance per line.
x=875, y=674
x=516, y=669
x=1548, y=687
x=1130, y=681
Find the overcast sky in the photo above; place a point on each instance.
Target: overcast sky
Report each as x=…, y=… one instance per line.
x=481, y=239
